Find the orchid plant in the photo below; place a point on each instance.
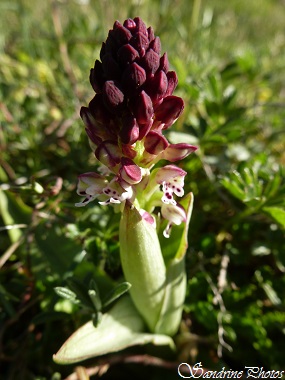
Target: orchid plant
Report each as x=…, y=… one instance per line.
x=125, y=123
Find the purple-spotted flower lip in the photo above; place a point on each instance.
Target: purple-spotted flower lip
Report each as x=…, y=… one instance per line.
x=116, y=193
x=171, y=178
x=92, y=186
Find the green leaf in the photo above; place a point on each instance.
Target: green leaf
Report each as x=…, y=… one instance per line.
x=276, y=213
x=49, y=238
x=175, y=286
x=96, y=318
x=233, y=188
x=120, y=328
x=14, y=211
x=94, y=295
x=273, y=185
x=80, y=290
x=117, y=292
x=215, y=87
x=187, y=202
x=67, y=294
x=176, y=245
x=271, y=294
x=174, y=297
x=143, y=264
x=95, y=299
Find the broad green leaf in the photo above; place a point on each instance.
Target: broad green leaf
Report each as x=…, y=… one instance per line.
x=174, y=297
x=143, y=264
x=120, y=328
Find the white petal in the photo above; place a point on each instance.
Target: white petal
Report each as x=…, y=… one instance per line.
x=173, y=213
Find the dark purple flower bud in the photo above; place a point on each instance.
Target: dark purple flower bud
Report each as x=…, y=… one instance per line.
x=176, y=152
x=150, y=33
x=151, y=61
x=169, y=110
x=172, y=82
x=155, y=45
x=143, y=109
x=130, y=24
x=97, y=77
x=140, y=26
x=127, y=54
x=134, y=76
x=145, y=128
x=156, y=87
x=96, y=117
x=93, y=130
x=103, y=50
x=130, y=130
x=155, y=143
x=96, y=140
x=99, y=110
x=112, y=95
x=111, y=45
x=140, y=42
x=130, y=172
x=110, y=67
x=164, y=64
x=108, y=153
x=121, y=34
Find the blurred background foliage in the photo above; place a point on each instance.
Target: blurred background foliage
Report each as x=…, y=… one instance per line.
x=229, y=57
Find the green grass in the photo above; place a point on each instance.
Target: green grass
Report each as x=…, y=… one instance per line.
x=229, y=57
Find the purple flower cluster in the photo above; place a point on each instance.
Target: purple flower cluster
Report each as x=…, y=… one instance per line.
x=133, y=100
x=125, y=120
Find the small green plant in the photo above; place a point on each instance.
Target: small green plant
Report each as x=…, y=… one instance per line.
x=125, y=121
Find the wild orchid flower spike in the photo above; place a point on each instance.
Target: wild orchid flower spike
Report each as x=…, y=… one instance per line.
x=125, y=122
